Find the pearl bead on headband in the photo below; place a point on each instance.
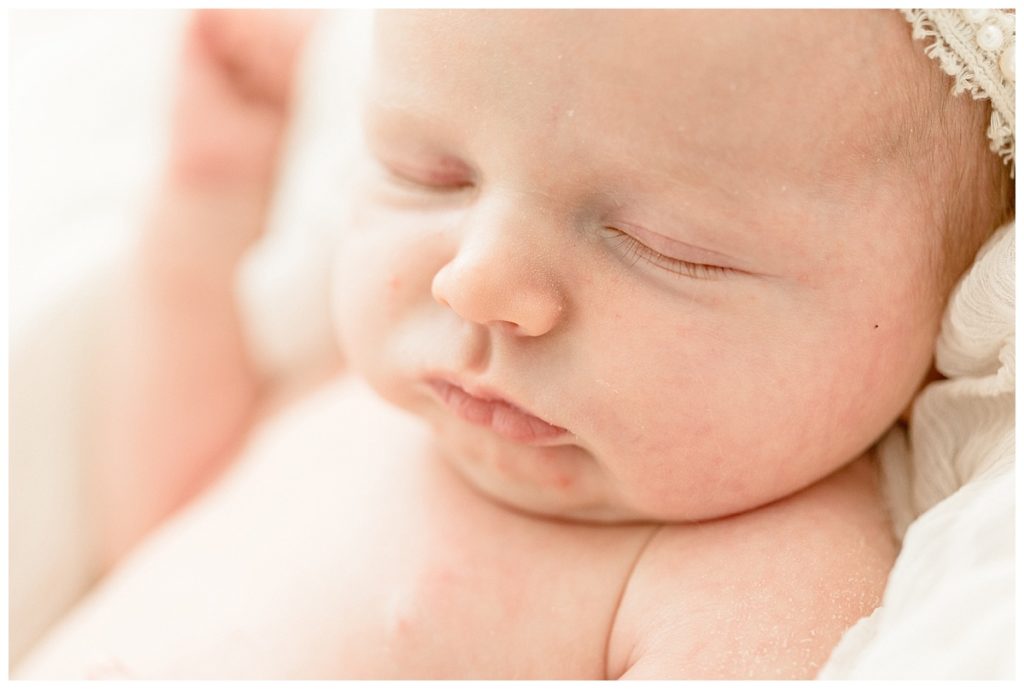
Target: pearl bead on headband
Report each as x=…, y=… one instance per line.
x=976, y=48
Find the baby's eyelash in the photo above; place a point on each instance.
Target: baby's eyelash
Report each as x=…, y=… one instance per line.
x=411, y=181
x=637, y=250
x=408, y=182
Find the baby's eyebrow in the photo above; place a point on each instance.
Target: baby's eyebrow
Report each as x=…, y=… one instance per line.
x=381, y=109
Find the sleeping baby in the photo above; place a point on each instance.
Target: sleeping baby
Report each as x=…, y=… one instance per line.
x=622, y=301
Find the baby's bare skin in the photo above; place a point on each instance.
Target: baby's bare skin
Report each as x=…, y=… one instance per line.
x=338, y=546
x=713, y=424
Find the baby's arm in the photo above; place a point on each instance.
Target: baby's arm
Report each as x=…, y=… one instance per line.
x=761, y=595
x=179, y=389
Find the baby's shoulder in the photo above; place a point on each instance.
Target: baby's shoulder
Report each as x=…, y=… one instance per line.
x=763, y=594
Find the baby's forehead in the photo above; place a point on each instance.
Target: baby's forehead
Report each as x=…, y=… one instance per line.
x=809, y=86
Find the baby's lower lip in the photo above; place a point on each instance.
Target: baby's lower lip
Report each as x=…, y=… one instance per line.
x=501, y=417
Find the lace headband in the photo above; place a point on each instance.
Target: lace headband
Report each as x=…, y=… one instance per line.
x=976, y=48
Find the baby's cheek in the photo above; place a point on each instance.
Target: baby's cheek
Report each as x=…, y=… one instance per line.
x=381, y=291
x=667, y=424
x=881, y=375
x=730, y=419
x=891, y=334
x=353, y=289
x=882, y=314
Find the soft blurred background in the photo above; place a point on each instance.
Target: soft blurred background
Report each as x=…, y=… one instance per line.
x=89, y=93
x=88, y=97
x=89, y=113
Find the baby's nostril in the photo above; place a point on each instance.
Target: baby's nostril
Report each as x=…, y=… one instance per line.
x=507, y=327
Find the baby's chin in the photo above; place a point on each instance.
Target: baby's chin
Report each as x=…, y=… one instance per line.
x=538, y=500
x=561, y=483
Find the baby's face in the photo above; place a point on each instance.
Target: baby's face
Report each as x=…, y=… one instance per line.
x=679, y=236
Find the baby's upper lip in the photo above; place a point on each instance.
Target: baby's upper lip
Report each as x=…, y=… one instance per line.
x=484, y=392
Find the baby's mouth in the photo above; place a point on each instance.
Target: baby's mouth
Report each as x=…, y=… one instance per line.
x=499, y=415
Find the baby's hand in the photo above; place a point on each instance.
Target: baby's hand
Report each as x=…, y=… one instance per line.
x=234, y=95
x=233, y=99
x=231, y=107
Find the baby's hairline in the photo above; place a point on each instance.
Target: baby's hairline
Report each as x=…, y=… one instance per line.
x=963, y=188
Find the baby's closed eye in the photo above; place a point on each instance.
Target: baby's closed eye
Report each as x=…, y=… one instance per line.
x=635, y=250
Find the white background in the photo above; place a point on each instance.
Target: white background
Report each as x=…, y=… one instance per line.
x=89, y=94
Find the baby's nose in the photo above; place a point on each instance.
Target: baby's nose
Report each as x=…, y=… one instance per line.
x=499, y=292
